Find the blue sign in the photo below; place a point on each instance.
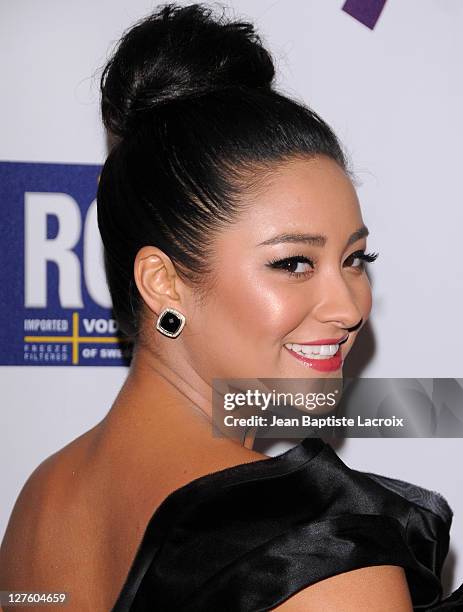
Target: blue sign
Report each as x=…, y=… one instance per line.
x=55, y=306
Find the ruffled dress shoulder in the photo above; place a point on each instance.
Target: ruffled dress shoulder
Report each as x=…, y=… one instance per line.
x=246, y=538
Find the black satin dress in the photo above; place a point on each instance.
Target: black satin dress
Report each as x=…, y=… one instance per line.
x=246, y=538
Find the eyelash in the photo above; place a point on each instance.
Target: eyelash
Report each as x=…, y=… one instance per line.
x=280, y=263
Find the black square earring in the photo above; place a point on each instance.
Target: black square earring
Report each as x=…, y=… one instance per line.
x=170, y=322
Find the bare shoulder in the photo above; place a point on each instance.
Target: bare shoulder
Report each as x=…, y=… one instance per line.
x=35, y=505
x=60, y=535
x=45, y=541
x=382, y=588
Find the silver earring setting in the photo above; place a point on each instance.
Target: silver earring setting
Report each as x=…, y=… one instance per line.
x=170, y=322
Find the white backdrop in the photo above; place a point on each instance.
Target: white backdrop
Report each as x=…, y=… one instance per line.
x=393, y=94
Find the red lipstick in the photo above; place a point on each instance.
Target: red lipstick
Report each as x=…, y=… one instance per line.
x=322, y=365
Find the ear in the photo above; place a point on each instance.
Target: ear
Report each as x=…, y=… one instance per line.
x=156, y=278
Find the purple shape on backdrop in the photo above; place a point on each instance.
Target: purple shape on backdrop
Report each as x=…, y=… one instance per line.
x=365, y=11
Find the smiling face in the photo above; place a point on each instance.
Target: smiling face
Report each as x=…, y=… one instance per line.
x=274, y=287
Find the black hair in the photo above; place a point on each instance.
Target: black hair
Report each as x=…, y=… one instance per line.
x=189, y=97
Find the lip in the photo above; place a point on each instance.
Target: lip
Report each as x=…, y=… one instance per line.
x=322, y=365
x=323, y=341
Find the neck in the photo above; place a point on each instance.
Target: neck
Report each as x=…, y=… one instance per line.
x=170, y=380
x=166, y=398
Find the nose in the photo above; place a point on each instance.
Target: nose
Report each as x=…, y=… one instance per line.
x=339, y=302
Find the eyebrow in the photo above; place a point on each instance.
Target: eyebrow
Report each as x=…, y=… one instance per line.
x=314, y=239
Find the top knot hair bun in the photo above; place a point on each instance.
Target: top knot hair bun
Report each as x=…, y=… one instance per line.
x=176, y=53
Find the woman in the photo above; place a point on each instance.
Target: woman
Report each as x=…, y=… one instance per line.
x=233, y=237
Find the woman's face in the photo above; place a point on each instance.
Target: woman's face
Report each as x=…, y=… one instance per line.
x=259, y=314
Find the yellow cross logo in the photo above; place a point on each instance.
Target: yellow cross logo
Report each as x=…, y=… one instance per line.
x=75, y=339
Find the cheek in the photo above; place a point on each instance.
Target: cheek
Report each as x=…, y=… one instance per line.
x=237, y=331
x=256, y=312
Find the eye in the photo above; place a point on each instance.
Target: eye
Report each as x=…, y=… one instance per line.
x=298, y=265
x=363, y=258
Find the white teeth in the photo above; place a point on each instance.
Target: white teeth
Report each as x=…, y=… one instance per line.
x=314, y=351
x=310, y=350
x=329, y=349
